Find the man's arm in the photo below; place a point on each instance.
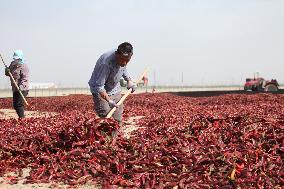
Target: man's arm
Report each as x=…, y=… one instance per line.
x=104, y=95
x=130, y=83
x=126, y=75
x=98, y=79
x=97, y=83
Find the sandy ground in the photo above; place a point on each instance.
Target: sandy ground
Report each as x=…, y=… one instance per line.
x=11, y=113
x=128, y=127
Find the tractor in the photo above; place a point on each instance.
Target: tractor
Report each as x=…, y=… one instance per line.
x=259, y=84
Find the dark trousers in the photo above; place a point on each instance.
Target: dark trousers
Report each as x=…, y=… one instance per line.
x=18, y=102
x=102, y=107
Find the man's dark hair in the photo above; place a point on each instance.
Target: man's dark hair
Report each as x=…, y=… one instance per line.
x=125, y=49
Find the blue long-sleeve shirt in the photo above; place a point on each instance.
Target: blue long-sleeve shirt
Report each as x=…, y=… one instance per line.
x=107, y=74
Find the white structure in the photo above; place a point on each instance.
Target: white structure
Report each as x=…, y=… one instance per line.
x=42, y=85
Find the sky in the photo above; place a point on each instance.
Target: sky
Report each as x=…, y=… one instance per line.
x=182, y=42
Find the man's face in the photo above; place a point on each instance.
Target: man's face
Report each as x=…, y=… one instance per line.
x=122, y=60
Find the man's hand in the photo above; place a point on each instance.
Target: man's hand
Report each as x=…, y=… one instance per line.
x=7, y=70
x=112, y=104
x=22, y=87
x=132, y=86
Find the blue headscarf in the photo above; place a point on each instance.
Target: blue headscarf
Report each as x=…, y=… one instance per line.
x=18, y=54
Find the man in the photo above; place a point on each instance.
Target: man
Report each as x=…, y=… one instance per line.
x=105, y=80
x=20, y=73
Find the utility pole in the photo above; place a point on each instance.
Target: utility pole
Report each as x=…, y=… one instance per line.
x=154, y=85
x=182, y=78
x=241, y=81
x=154, y=78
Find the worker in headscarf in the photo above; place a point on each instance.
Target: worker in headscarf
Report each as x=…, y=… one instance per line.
x=20, y=72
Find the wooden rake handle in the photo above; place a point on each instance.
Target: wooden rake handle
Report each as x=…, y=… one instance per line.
x=12, y=78
x=126, y=94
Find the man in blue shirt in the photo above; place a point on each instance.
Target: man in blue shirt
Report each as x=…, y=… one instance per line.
x=104, y=83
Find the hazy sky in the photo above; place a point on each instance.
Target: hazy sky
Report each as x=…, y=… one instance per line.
x=209, y=41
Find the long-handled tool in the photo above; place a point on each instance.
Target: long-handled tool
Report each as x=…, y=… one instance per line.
x=12, y=78
x=125, y=95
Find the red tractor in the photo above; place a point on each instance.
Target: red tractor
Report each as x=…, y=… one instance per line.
x=259, y=84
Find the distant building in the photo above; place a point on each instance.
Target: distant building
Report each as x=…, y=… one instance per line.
x=42, y=85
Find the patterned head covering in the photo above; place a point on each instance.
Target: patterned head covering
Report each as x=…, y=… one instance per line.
x=18, y=54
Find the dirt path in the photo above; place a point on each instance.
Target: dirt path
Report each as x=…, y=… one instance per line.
x=11, y=113
x=130, y=125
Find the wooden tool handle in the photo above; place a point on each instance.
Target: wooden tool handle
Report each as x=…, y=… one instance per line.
x=126, y=94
